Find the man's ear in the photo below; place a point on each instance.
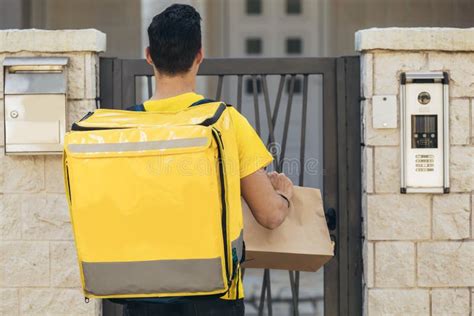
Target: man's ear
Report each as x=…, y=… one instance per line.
x=148, y=56
x=199, y=56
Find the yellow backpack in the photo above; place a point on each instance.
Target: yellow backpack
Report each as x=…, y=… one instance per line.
x=154, y=200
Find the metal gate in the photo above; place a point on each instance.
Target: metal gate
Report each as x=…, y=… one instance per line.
x=249, y=82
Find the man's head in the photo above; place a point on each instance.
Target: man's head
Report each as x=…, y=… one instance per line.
x=175, y=40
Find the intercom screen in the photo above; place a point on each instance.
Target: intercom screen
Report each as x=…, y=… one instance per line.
x=424, y=131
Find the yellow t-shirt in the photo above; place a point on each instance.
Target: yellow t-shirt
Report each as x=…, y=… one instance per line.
x=253, y=155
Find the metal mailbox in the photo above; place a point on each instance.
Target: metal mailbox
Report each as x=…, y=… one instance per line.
x=35, y=104
x=424, y=116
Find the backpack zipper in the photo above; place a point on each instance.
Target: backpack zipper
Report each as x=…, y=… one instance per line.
x=68, y=183
x=76, y=127
x=220, y=147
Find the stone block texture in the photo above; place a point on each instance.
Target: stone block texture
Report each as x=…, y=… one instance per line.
x=367, y=75
x=460, y=66
x=451, y=216
x=398, y=302
x=369, y=271
x=64, y=268
x=24, y=263
x=389, y=66
x=395, y=264
x=459, y=122
x=398, y=217
x=9, y=304
x=450, y=302
x=45, y=217
x=90, y=40
x=55, y=301
x=53, y=175
x=461, y=168
x=472, y=121
x=2, y=57
x=445, y=264
x=39, y=273
x=22, y=174
x=76, y=77
x=368, y=170
x=10, y=217
x=387, y=169
x=419, y=248
x=415, y=39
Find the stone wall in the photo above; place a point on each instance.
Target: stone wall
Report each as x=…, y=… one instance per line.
x=418, y=248
x=38, y=268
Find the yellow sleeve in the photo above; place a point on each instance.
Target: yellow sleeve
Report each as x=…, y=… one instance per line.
x=253, y=154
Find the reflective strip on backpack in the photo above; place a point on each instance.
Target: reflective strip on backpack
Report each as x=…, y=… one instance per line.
x=138, y=146
x=158, y=276
x=238, y=245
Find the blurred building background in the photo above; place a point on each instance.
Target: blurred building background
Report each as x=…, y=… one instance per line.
x=250, y=28
x=241, y=27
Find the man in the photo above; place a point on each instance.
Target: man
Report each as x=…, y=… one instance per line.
x=175, y=53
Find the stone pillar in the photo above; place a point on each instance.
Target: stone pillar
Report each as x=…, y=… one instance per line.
x=419, y=248
x=38, y=267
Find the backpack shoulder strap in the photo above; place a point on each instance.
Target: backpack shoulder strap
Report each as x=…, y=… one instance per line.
x=141, y=107
x=136, y=108
x=202, y=101
x=213, y=119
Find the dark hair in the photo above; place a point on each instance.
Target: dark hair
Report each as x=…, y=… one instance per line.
x=175, y=38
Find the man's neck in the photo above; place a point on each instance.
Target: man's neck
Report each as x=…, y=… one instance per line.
x=167, y=87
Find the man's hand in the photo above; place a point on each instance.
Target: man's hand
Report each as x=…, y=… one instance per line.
x=264, y=194
x=281, y=183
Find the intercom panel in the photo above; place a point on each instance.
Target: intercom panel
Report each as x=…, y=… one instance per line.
x=424, y=132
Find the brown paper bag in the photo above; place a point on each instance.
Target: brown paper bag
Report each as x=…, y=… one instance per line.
x=301, y=243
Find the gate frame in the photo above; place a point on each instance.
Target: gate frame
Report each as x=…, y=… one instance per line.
x=341, y=162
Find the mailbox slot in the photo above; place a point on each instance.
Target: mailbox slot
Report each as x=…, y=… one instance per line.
x=35, y=104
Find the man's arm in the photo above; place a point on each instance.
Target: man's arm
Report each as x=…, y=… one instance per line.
x=263, y=193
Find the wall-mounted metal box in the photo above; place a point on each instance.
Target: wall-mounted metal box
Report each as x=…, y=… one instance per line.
x=35, y=104
x=424, y=116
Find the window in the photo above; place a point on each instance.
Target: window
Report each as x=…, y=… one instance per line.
x=298, y=87
x=294, y=45
x=293, y=6
x=249, y=86
x=253, y=46
x=254, y=7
